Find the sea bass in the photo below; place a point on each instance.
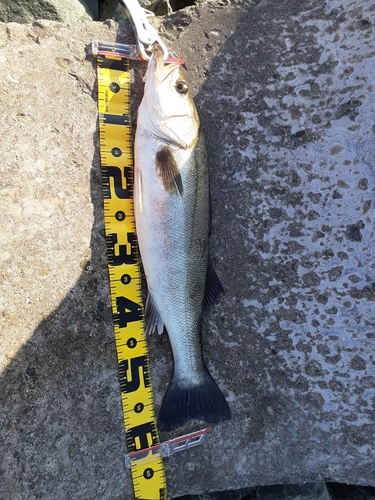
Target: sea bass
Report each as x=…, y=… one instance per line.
x=172, y=206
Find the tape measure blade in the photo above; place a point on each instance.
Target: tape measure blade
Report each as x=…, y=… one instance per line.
x=116, y=155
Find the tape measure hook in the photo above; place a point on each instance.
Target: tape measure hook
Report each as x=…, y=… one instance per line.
x=168, y=448
x=183, y=443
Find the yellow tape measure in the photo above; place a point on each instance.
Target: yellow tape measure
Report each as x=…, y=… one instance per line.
x=147, y=467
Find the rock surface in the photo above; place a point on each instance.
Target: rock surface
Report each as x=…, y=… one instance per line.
x=111, y=9
x=350, y=492
x=26, y=11
x=285, y=95
x=308, y=491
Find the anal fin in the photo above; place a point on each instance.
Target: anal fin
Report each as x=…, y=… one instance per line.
x=214, y=289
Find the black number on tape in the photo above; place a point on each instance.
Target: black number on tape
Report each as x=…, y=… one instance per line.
x=113, y=64
x=122, y=257
x=118, y=177
x=115, y=119
x=140, y=437
x=130, y=380
x=127, y=311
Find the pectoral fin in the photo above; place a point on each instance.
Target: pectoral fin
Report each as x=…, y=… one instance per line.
x=168, y=172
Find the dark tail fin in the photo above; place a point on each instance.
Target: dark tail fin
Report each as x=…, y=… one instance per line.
x=201, y=402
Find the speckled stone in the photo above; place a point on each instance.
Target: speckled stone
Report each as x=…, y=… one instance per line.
x=26, y=11
x=285, y=95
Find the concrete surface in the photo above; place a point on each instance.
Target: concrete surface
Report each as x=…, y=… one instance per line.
x=285, y=95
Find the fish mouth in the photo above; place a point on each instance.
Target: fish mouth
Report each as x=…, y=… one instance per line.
x=161, y=70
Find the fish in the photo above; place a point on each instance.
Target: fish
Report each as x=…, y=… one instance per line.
x=172, y=217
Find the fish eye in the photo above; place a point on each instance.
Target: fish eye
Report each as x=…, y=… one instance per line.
x=181, y=87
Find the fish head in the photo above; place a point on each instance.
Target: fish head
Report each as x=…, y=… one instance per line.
x=168, y=109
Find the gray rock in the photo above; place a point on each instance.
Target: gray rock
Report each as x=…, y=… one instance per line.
x=308, y=491
x=26, y=11
x=350, y=492
x=284, y=92
x=110, y=9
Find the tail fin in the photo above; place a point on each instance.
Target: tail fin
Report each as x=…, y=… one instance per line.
x=202, y=402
